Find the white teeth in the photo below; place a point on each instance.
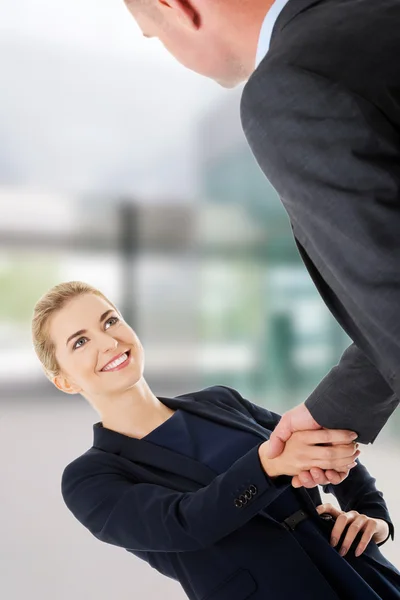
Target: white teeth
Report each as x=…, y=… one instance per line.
x=115, y=363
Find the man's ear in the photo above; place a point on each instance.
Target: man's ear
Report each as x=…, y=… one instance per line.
x=185, y=12
x=63, y=384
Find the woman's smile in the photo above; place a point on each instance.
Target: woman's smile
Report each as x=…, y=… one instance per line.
x=120, y=363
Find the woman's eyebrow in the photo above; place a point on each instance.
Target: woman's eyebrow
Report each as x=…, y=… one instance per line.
x=81, y=331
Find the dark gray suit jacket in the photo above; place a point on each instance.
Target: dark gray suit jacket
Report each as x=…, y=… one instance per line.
x=322, y=116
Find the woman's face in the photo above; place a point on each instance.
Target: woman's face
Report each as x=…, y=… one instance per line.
x=82, y=355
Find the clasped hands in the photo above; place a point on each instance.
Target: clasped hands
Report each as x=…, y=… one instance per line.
x=300, y=419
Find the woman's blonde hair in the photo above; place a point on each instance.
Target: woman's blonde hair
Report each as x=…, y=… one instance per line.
x=54, y=300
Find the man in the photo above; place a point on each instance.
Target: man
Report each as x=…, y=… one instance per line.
x=321, y=113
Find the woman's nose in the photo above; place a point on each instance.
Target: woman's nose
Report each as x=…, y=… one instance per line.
x=107, y=343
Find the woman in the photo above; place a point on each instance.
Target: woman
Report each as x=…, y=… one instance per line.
x=184, y=483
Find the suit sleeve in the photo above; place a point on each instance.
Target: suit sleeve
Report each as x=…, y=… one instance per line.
x=333, y=157
x=350, y=386
x=150, y=517
x=358, y=492
x=354, y=383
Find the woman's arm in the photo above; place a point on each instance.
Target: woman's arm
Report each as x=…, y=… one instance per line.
x=145, y=516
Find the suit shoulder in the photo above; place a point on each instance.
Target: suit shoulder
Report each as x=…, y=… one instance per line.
x=207, y=393
x=212, y=390
x=88, y=459
x=80, y=464
x=91, y=463
x=222, y=394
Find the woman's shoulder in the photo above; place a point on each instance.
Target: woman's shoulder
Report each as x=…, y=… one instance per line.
x=225, y=395
x=93, y=476
x=90, y=464
x=87, y=463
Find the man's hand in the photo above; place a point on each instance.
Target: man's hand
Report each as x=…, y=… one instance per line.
x=299, y=419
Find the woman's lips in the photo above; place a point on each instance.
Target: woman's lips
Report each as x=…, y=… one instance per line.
x=121, y=366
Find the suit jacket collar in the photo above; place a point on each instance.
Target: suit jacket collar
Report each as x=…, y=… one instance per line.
x=287, y=14
x=289, y=11
x=155, y=457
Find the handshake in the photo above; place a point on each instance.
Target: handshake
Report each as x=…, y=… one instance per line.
x=326, y=449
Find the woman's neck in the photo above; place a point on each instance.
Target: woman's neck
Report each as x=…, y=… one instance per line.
x=136, y=424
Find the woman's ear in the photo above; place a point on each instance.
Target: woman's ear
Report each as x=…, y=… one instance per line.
x=63, y=384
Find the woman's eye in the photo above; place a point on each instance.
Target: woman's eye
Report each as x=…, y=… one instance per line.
x=83, y=338
x=115, y=318
x=75, y=345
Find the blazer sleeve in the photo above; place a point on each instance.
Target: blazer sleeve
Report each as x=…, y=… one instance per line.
x=333, y=158
x=150, y=517
x=358, y=492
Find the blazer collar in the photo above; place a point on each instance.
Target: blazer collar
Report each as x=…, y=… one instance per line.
x=291, y=10
x=156, y=457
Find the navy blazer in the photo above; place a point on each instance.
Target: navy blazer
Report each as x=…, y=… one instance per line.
x=183, y=519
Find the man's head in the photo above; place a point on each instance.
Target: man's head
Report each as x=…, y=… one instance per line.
x=215, y=38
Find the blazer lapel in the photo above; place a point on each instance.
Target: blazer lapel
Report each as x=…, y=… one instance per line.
x=216, y=411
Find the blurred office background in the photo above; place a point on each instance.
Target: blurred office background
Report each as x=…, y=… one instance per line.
x=121, y=168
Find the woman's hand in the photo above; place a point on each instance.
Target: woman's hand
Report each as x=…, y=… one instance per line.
x=374, y=529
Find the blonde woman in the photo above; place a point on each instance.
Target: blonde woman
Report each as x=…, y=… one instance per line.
x=184, y=483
